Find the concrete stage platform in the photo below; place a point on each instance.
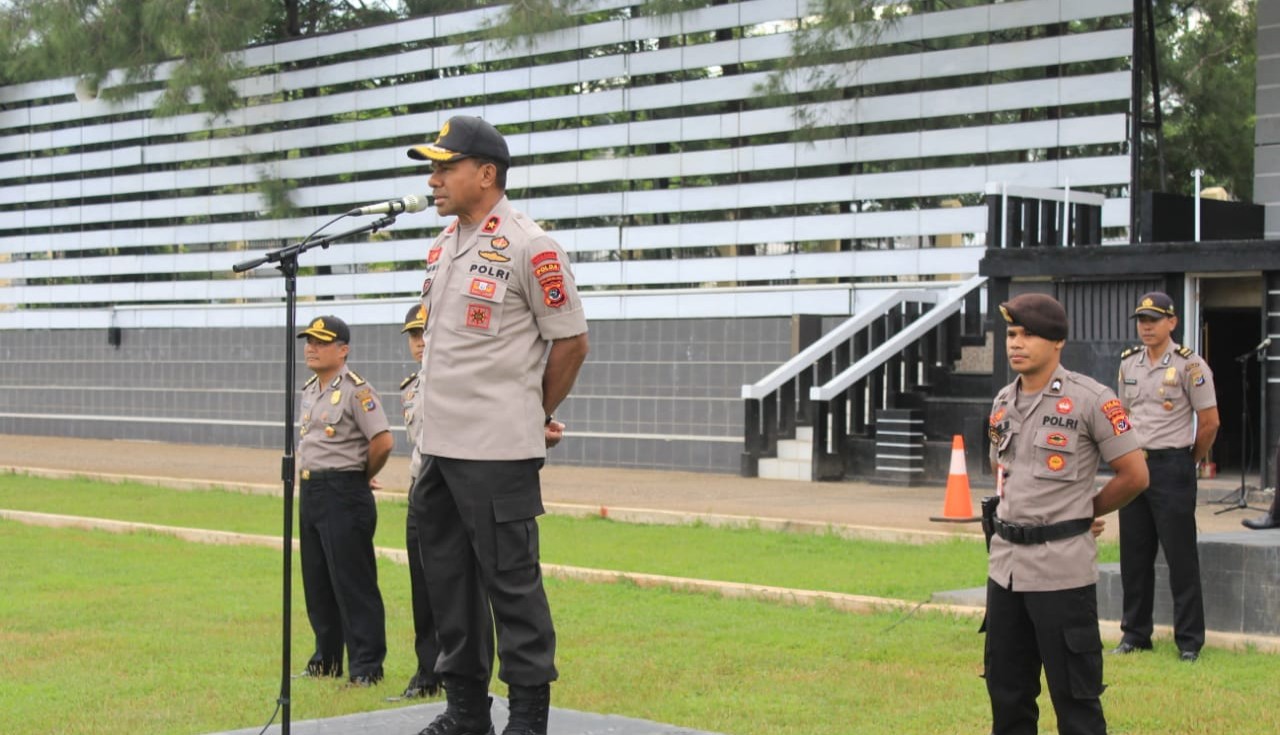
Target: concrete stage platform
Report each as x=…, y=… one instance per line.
x=409, y=720
x=1239, y=573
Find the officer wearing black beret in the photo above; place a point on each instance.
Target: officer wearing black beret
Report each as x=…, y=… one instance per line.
x=1049, y=428
x=1168, y=391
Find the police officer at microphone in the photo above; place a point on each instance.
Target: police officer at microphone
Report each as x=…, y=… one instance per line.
x=1168, y=392
x=1049, y=428
x=505, y=337
x=345, y=441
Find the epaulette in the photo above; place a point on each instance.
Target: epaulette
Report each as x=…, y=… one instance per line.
x=1186, y=351
x=314, y=378
x=355, y=378
x=1132, y=351
x=405, y=383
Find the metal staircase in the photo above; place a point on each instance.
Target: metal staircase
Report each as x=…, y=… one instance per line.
x=852, y=403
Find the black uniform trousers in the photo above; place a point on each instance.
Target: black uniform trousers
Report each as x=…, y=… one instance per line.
x=1165, y=515
x=1058, y=630
x=478, y=529
x=426, y=644
x=340, y=574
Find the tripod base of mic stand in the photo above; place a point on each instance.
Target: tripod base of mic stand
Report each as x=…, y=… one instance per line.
x=1235, y=500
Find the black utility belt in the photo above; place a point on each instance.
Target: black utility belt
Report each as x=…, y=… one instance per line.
x=330, y=474
x=1177, y=451
x=1016, y=533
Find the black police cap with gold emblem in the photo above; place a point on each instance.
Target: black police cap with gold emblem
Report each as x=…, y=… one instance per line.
x=464, y=137
x=1037, y=313
x=327, y=329
x=1157, y=304
x=415, y=319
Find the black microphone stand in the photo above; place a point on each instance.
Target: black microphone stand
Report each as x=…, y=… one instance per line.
x=1239, y=499
x=286, y=260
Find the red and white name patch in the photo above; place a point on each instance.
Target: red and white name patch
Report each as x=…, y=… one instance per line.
x=483, y=287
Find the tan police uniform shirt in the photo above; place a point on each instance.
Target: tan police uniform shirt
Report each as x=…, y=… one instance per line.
x=1162, y=395
x=338, y=420
x=1050, y=455
x=494, y=302
x=410, y=401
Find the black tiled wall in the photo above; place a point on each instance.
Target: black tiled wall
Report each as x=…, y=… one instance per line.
x=661, y=394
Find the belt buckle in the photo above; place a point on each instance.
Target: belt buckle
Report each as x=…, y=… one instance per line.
x=306, y=474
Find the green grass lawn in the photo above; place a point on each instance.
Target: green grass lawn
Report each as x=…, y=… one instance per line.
x=107, y=634
x=805, y=561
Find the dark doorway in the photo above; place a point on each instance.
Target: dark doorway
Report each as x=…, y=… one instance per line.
x=1229, y=333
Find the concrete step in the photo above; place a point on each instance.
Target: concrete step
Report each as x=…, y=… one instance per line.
x=795, y=449
x=785, y=469
x=804, y=434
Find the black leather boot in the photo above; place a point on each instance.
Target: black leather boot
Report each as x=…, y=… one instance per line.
x=530, y=707
x=467, y=711
x=1263, y=522
x=422, y=685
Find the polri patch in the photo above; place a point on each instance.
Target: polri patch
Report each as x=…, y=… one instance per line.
x=1065, y=405
x=1056, y=462
x=499, y=243
x=543, y=256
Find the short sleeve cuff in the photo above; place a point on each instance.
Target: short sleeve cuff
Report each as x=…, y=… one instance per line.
x=562, y=325
x=1119, y=445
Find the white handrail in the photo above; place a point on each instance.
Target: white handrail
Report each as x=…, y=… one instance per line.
x=804, y=359
x=898, y=342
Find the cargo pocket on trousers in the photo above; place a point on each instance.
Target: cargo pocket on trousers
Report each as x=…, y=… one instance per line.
x=1084, y=662
x=516, y=531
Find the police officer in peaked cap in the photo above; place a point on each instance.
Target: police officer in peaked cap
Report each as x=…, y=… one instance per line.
x=345, y=441
x=1168, y=392
x=499, y=296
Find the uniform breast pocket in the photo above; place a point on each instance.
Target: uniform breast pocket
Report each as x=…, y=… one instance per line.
x=1131, y=391
x=482, y=305
x=1055, y=454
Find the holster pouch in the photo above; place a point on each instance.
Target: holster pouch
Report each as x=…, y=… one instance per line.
x=989, y=505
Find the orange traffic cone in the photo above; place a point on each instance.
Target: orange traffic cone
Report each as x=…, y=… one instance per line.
x=958, y=506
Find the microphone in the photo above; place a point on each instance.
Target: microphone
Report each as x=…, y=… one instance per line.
x=1264, y=344
x=406, y=204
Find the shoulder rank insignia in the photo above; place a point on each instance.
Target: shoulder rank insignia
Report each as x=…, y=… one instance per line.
x=1185, y=351
x=314, y=378
x=1131, y=351
x=355, y=378
x=405, y=383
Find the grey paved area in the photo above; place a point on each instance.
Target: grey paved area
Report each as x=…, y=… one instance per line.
x=411, y=719
x=855, y=503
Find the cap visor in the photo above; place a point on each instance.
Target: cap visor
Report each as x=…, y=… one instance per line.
x=320, y=334
x=1148, y=312
x=413, y=325
x=431, y=152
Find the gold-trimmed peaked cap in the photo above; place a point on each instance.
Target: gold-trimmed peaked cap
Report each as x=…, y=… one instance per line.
x=327, y=329
x=1037, y=313
x=1157, y=304
x=415, y=319
x=464, y=136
